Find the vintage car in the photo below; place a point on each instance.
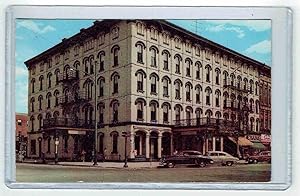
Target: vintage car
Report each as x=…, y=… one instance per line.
x=223, y=158
x=264, y=156
x=189, y=157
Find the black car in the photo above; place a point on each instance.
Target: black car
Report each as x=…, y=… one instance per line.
x=187, y=157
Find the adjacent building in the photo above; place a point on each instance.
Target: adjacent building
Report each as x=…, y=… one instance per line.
x=21, y=132
x=167, y=88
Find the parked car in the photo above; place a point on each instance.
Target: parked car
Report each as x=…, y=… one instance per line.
x=263, y=156
x=223, y=158
x=187, y=157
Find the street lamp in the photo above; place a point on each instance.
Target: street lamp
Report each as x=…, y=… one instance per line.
x=125, y=135
x=95, y=109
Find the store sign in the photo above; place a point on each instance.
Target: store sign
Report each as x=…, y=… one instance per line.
x=253, y=137
x=73, y=132
x=264, y=138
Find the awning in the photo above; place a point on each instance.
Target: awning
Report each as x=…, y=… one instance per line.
x=242, y=141
x=258, y=145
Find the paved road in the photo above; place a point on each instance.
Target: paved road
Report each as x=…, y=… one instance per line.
x=59, y=173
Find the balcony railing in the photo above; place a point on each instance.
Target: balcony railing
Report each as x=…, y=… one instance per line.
x=68, y=122
x=68, y=76
x=235, y=106
x=203, y=122
x=235, y=86
x=73, y=98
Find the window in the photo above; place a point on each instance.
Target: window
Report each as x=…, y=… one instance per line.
x=208, y=93
x=177, y=64
x=49, y=62
x=42, y=67
x=178, y=109
x=115, y=78
x=197, y=50
x=257, y=107
x=154, y=79
x=76, y=50
x=48, y=97
x=188, y=67
x=245, y=84
x=49, y=79
x=101, y=39
x=188, y=46
x=165, y=36
x=140, y=80
x=140, y=111
x=225, y=75
x=153, y=33
x=251, y=86
x=217, y=76
x=257, y=125
x=166, y=56
x=153, y=52
x=56, y=76
x=188, y=87
x=57, y=59
x=41, y=82
x=208, y=69
x=153, y=109
x=115, y=32
x=115, y=108
x=32, y=85
x=33, y=147
x=232, y=79
x=115, y=50
x=67, y=54
x=177, y=89
x=139, y=53
x=56, y=93
x=198, y=69
x=166, y=113
x=101, y=60
x=140, y=28
x=101, y=113
x=239, y=80
x=226, y=96
x=88, y=89
x=101, y=81
x=198, y=91
x=198, y=115
x=40, y=118
x=33, y=70
x=218, y=93
x=40, y=102
x=177, y=41
x=166, y=82
x=114, y=142
x=256, y=87
x=207, y=53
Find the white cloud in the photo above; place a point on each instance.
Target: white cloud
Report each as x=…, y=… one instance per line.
x=35, y=27
x=262, y=47
x=20, y=71
x=253, y=25
x=222, y=27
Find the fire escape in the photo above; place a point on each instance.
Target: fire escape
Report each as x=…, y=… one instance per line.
x=72, y=98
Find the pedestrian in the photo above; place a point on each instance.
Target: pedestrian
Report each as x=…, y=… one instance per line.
x=83, y=155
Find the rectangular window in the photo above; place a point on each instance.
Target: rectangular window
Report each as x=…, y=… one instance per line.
x=197, y=98
x=140, y=114
x=198, y=74
x=207, y=100
x=140, y=86
x=33, y=147
x=19, y=122
x=101, y=65
x=165, y=117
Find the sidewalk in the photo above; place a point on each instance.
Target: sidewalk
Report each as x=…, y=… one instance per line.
x=112, y=164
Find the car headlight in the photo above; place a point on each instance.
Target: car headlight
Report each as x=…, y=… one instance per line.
x=211, y=162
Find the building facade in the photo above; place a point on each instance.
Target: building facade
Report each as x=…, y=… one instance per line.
x=21, y=132
x=166, y=87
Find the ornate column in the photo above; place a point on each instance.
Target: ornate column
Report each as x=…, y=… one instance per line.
x=222, y=143
x=159, y=145
x=132, y=145
x=214, y=143
x=147, y=145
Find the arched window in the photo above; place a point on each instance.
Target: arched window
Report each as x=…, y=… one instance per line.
x=91, y=61
x=208, y=114
x=251, y=123
x=178, y=85
x=140, y=103
x=257, y=107
x=178, y=109
x=198, y=112
x=32, y=85
x=245, y=84
x=166, y=81
x=218, y=94
x=153, y=51
x=251, y=104
x=115, y=78
x=40, y=99
x=218, y=116
x=257, y=125
x=208, y=70
x=115, y=110
x=239, y=99
x=198, y=89
x=41, y=78
x=153, y=78
x=251, y=86
x=140, y=80
x=218, y=72
x=188, y=115
x=178, y=60
x=166, y=106
x=140, y=48
x=49, y=79
x=86, y=65
x=32, y=123
x=32, y=104
x=101, y=82
x=188, y=62
x=88, y=88
x=48, y=97
x=239, y=80
x=232, y=79
x=114, y=136
x=56, y=93
x=188, y=87
x=232, y=103
x=56, y=72
x=153, y=108
x=208, y=92
x=88, y=114
x=40, y=118
x=115, y=50
x=198, y=70
x=226, y=96
x=225, y=80
x=101, y=107
x=166, y=56
x=101, y=56
x=256, y=88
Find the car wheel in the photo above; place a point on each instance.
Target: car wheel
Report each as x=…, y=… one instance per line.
x=229, y=163
x=255, y=161
x=171, y=165
x=200, y=163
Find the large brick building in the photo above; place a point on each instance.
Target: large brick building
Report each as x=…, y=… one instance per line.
x=165, y=86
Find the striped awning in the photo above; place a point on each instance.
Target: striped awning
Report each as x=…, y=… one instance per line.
x=243, y=141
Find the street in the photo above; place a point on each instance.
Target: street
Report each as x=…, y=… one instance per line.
x=60, y=173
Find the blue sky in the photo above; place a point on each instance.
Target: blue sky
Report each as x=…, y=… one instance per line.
x=249, y=37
